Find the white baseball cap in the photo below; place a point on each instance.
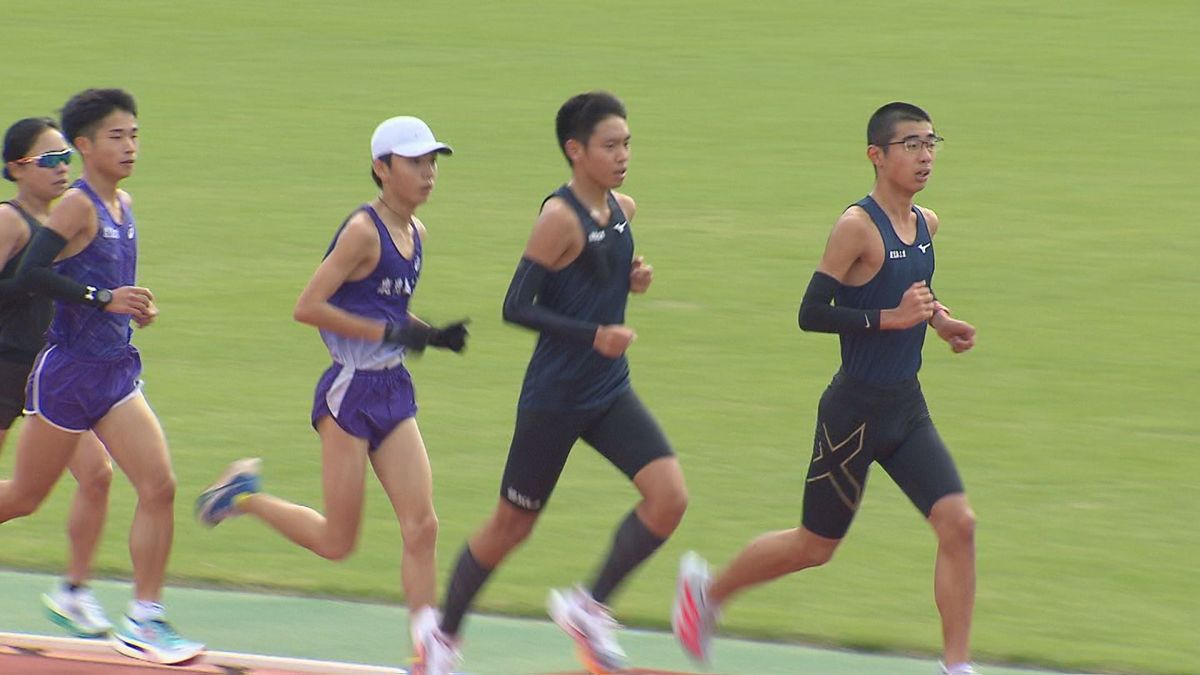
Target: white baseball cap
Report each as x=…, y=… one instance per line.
x=405, y=136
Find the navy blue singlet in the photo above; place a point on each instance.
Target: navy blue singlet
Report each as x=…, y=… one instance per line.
x=566, y=375
x=888, y=356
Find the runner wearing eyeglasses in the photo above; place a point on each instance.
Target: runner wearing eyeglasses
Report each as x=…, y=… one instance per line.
x=877, y=271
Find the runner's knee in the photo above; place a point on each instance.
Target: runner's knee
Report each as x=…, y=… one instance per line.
x=957, y=527
x=512, y=526
x=420, y=533
x=22, y=505
x=338, y=547
x=157, y=491
x=94, y=483
x=817, y=556
x=664, y=509
x=809, y=550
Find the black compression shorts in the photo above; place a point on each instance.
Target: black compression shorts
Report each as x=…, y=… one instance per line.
x=624, y=432
x=859, y=423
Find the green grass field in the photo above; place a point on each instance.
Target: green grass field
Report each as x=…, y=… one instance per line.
x=1067, y=199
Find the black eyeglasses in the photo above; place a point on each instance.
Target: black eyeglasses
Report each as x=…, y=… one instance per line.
x=915, y=143
x=48, y=160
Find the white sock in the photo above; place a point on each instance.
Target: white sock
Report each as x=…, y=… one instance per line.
x=145, y=610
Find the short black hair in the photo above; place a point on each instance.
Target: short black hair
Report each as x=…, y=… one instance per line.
x=578, y=117
x=21, y=136
x=883, y=123
x=386, y=159
x=84, y=111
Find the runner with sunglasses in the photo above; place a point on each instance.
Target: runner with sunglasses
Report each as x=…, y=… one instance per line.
x=86, y=379
x=876, y=271
x=36, y=159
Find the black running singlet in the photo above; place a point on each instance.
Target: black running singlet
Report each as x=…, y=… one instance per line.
x=23, y=317
x=888, y=356
x=566, y=375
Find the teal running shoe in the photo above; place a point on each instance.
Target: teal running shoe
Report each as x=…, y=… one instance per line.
x=154, y=640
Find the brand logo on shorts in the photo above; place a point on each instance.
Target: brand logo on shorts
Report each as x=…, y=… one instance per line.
x=523, y=501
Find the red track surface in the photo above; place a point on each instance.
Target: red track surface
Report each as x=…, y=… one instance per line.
x=23, y=656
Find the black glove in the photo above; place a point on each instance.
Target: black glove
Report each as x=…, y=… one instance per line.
x=412, y=335
x=415, y=335
x=451, y=336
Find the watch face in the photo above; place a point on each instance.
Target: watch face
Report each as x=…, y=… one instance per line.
x=104, y=296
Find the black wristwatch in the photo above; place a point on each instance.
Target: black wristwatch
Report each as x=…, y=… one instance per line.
x=98, y=297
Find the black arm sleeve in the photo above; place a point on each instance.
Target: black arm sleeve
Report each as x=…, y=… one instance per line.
x=817, y=314
x=520, y=307
x=10, y=289
x=35, y=275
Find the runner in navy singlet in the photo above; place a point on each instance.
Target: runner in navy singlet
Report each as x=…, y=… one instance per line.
x=364, y=408
x=88, y=376
x=571, y=286
x=877, y=270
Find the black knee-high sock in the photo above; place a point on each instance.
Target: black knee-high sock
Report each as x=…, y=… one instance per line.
x=469, y=576
x=632, y=544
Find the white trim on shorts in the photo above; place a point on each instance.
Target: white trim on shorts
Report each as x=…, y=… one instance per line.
x=32, y=408
x=137, y=389
x=31, y=405
x=341, y=384
x=337, y=390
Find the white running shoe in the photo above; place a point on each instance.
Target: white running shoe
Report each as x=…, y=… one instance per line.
x=77, y=611
x=592, y=627
x=693, y=618
x=960, y=669
x=154, y=640
x=435, y=653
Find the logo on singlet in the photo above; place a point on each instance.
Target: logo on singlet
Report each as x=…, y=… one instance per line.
x=897, y=254
x=397, y=286
x=924, y=247
x=111, y=233
x=596, y=236
x=620, y=227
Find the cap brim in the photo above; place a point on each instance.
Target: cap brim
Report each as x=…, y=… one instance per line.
x=422, y=150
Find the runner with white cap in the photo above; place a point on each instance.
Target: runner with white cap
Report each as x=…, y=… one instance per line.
x=365, y=408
